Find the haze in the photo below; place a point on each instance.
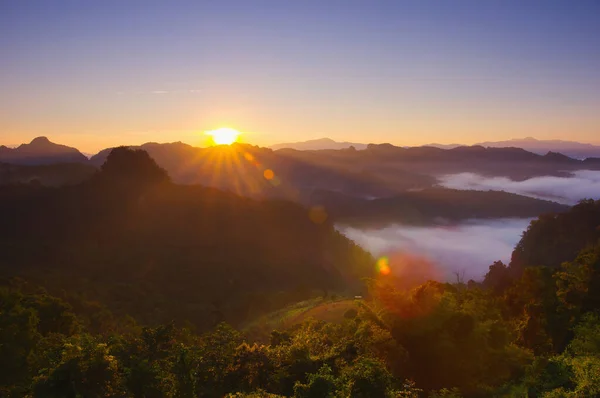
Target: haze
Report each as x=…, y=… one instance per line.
x=568, y=190
x=113, y=72
x=467, y=248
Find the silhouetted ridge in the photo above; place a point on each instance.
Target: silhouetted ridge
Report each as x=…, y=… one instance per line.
x=41, y=151
x=40, y=141
x=134, y=166
x=558, y=157
x=572, y=149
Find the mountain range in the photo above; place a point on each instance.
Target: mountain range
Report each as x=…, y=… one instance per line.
x=318, y=144
x=572, y=149
x=347, y=176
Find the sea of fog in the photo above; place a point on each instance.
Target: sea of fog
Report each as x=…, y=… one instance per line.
x=583, y=184
x=470, y=247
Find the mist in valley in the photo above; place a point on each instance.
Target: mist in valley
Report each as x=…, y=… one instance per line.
x=468, y=248
x=442, y=251
x=582, y=184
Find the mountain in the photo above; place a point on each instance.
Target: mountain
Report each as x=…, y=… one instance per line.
x=318, y=144
x=430, y=206
x=41, y=151
x=572, y=149
x=258, y=172
x=131, y=238
x=443, y=146
x=390, y=163
x=347, y=182
x=379, y=170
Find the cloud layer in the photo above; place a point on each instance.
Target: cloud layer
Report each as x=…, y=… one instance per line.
x=584, y=184
x=468, y=248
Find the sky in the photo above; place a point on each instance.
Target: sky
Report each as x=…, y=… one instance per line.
x=95, y=74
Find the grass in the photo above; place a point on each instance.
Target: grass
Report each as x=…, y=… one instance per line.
x=320, y=308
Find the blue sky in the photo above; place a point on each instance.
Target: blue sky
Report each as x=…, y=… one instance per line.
x=96, y=74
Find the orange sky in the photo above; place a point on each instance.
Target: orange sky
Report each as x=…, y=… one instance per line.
x=99, y=74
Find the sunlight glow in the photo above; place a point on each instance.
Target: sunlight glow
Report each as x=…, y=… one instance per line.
x=383, y=266
x=224, y=136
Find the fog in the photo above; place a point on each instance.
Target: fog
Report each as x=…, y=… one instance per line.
x=468, y=248
x=583, y=184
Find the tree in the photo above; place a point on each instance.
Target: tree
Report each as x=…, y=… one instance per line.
x=498, y=279
x=132, y=166
x=86, y=368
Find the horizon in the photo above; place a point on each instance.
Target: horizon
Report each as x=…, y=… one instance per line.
x=98, y=75
x=205, y=144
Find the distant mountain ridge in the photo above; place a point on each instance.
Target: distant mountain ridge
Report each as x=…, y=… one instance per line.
x=41, y=151
x=378, y=170
x=571, y=149
x=318, y=144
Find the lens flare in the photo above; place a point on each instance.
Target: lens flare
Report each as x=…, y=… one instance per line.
x=268, y=174
x=383, y=266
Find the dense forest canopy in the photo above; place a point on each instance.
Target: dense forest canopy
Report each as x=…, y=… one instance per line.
x=119, y=286
x=139, y=243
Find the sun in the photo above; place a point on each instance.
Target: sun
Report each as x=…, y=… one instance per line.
x=224, y=136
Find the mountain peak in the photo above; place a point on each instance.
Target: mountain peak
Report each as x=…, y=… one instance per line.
x=41, y=151
x=318, y=144
x=40, y=141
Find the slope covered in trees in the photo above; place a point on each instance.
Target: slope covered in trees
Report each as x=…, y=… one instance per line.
x=430, y=205
x=436, y=340
x=150, y=252
x=159, y=251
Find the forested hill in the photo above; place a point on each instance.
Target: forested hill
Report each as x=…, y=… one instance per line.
x=159, y=251
x=531, y=329
x=429, y=206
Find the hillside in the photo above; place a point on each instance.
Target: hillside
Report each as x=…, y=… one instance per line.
x=430, y=206
x=529, y=333
x=130, y=238
x=57, y=174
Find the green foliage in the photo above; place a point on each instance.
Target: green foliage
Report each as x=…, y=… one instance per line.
x=555, y=238
x=365, y=378
x=320, y=384
x=454, y=337
x=85, y=369
x=578, y=284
